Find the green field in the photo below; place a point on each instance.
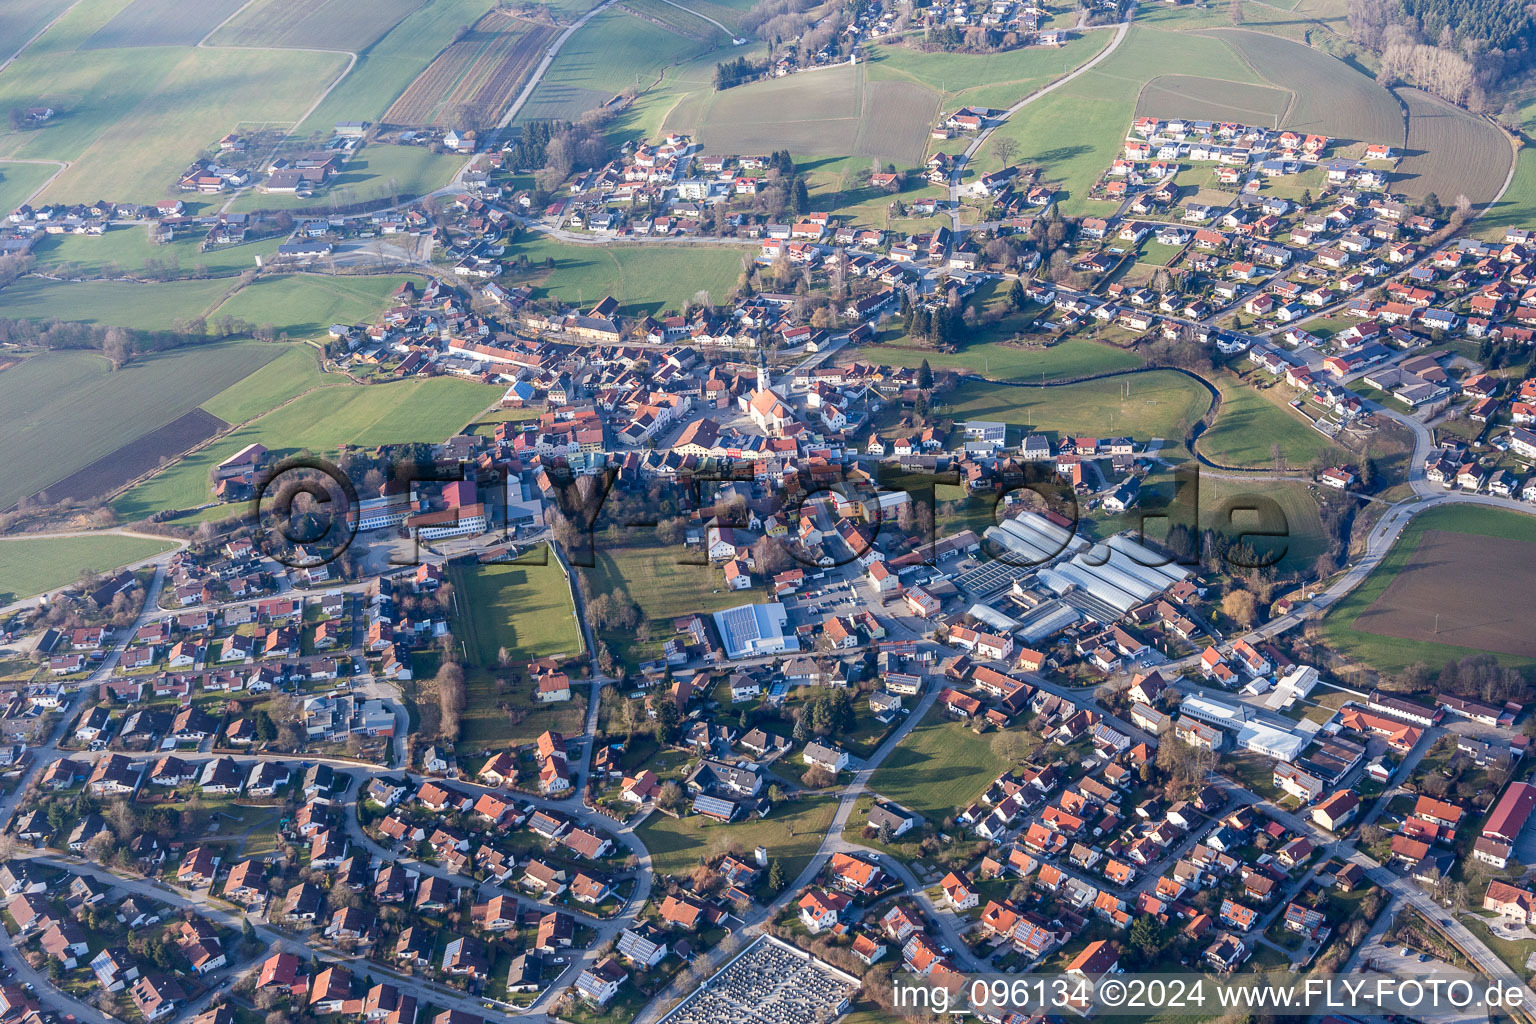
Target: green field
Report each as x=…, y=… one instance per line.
x=991, y=80
x=309, y=303
x=31, y=565
x=416, y=409
x=1220, y=500
x=1392, y=654
x=645, y=278
x=938, y=768
x=791, y=834
x=60, y=411
x=652, y=576
x=20, y=20
x=1073, y=357
x=1251, y=422
x=378, y=171
x=144, y=307
x=1161, y=403
x=130, y=119
x=127, y=250
x=326, y=24
x=524, y=608
x=612, y=52
x=290, y=374
x=1517, y=207
x=18, y=181
x=385, y=69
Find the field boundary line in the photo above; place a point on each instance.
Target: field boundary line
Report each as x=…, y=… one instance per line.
x=39, y=34
x=543, y=66
x=237, y=12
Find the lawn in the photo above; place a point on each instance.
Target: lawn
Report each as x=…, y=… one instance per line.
x=301, y=304
x=1391, y=654
x=126, y=250
x=1159, y=403
x=143, y=307
x=32, y=565
x=938, y=768
x=644, y=278
x=791, y=834
x=419, y=409
x=1251, y=422
x=61, y=411
x=652, y=576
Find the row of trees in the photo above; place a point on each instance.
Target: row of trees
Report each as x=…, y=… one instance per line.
x=1458, y=49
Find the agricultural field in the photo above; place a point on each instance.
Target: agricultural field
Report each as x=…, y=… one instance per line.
x=1073, y=357
x=1212, y=99
x=937, y=767
x=417, y=409
x=674, y=19
x=996, y=80
x=1450, y=152
x=20, y=20
x=162, y=23
x=20, y=180
x=1331, y=97
x=614, y=51
x=312, y=24
x=292, y=373
x=61, y=411
x=645, y=278
x=128, y=249
x=377, y=171
x=112, y=124
x=302, y=304
x=388, y=67
x=32, y=565
x=1159, y=403
x=477, y=77
x=1442, y=592
x=831, y=112
x=144, y=307
x=1251, y=422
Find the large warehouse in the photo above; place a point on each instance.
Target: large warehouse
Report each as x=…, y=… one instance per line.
x=1121, y=573
x=749, y=630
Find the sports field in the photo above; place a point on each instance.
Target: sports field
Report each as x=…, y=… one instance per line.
x=1159, y=403
x=937, y=767
x=524, y=608
x=416, y=409
x=316, y=24
x=831, y=112
x=1444, y=592
x=481, y=72
x=61, y=411
x=645, y=278
x=31, y=565
x=1450, y=152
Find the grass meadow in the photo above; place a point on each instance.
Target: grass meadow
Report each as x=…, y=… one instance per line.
x=1251, y=422
x=127, y=249
x=144, y=307
x=937, y=767
x=309, y=303
x=32, y=565
x=645, y=278
x=996, y=80
x=791, y=834
x=416, y=409
x=325, y=25
x=60, y=411
x=20, y=180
